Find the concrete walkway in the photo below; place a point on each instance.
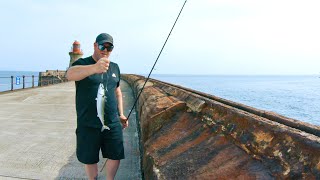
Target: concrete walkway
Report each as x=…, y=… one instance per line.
x=37, y=135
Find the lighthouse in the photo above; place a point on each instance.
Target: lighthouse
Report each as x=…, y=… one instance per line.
x=75, y=52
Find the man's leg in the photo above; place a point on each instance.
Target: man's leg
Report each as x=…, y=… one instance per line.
x=92, y=171
x=112, y=167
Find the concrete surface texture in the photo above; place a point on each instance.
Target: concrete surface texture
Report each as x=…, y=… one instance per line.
x=37, y=135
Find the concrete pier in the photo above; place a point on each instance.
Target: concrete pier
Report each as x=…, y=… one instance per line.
x=37, y=135
x=185, y=134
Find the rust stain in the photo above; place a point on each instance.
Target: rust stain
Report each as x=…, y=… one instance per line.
x=302, y=158
x=174, y=106
x=318, y=166
x=208, y=120
x=184, y=147
x=283, y=162
x=244, y=147
x=263, y=140
x=231, y=163
x=288, y=138
x=277, y=153
x=178, y=130
x=262, y=136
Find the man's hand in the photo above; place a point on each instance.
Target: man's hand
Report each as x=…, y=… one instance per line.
x=102, y=65
x=124, y=121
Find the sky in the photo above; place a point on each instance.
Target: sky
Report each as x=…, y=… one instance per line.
x=225, y=37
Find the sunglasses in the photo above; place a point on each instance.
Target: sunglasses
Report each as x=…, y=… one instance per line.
x=102, y=47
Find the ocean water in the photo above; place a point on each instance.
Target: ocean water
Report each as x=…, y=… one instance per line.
x=5, y=79
x=296, y=97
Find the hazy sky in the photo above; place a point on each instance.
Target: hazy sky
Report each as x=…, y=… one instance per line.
x=211, y=36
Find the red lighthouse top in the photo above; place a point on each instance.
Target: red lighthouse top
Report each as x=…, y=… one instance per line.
x=76, y=47
x=76, y=42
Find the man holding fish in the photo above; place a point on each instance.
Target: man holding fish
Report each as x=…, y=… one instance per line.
x=100, y=117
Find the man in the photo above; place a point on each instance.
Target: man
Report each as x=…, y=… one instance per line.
x=88, y=73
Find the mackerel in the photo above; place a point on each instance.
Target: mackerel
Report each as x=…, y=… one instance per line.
x=101, y=100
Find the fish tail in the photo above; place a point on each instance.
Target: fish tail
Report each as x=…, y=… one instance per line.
x=104, y=127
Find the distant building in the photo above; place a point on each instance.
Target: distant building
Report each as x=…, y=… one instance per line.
x=75, y=52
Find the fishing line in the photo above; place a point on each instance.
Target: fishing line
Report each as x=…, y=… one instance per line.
x=155, y=62
x=151, y=69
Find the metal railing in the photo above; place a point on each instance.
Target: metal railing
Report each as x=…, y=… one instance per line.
x=28, y=82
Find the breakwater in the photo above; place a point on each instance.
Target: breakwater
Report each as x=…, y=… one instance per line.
x=52, y=77
x=192, y=135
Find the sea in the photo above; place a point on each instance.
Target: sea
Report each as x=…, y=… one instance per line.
x=5, y=79
x=297, y=97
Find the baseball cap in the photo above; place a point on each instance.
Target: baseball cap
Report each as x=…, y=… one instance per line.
x=104, y=38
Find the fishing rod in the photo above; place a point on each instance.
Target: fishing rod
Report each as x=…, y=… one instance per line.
x=152, y=69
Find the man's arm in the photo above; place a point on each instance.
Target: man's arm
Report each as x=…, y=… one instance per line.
x=119, y=98
x=79, y=72
x=123, y=118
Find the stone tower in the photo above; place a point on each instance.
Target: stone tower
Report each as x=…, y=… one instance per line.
x=75, y=52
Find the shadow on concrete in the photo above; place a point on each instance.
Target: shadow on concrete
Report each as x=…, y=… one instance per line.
x=75, y=169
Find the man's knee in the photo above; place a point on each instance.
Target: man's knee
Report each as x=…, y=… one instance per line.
x=113, y=163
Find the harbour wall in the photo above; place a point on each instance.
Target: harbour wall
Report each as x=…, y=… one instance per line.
x=186, y=134
x=52, y=77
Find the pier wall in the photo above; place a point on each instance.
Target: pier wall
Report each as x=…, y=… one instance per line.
x=51, y=77
x=186, y=134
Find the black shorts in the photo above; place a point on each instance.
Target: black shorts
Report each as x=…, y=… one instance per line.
x=91, y=140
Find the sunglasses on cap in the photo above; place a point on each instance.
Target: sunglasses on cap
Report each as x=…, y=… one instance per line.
x=102, y=47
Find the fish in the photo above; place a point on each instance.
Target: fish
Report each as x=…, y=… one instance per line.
x=101, y=99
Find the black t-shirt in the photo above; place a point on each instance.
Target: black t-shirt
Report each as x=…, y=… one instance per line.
x=86, y=94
